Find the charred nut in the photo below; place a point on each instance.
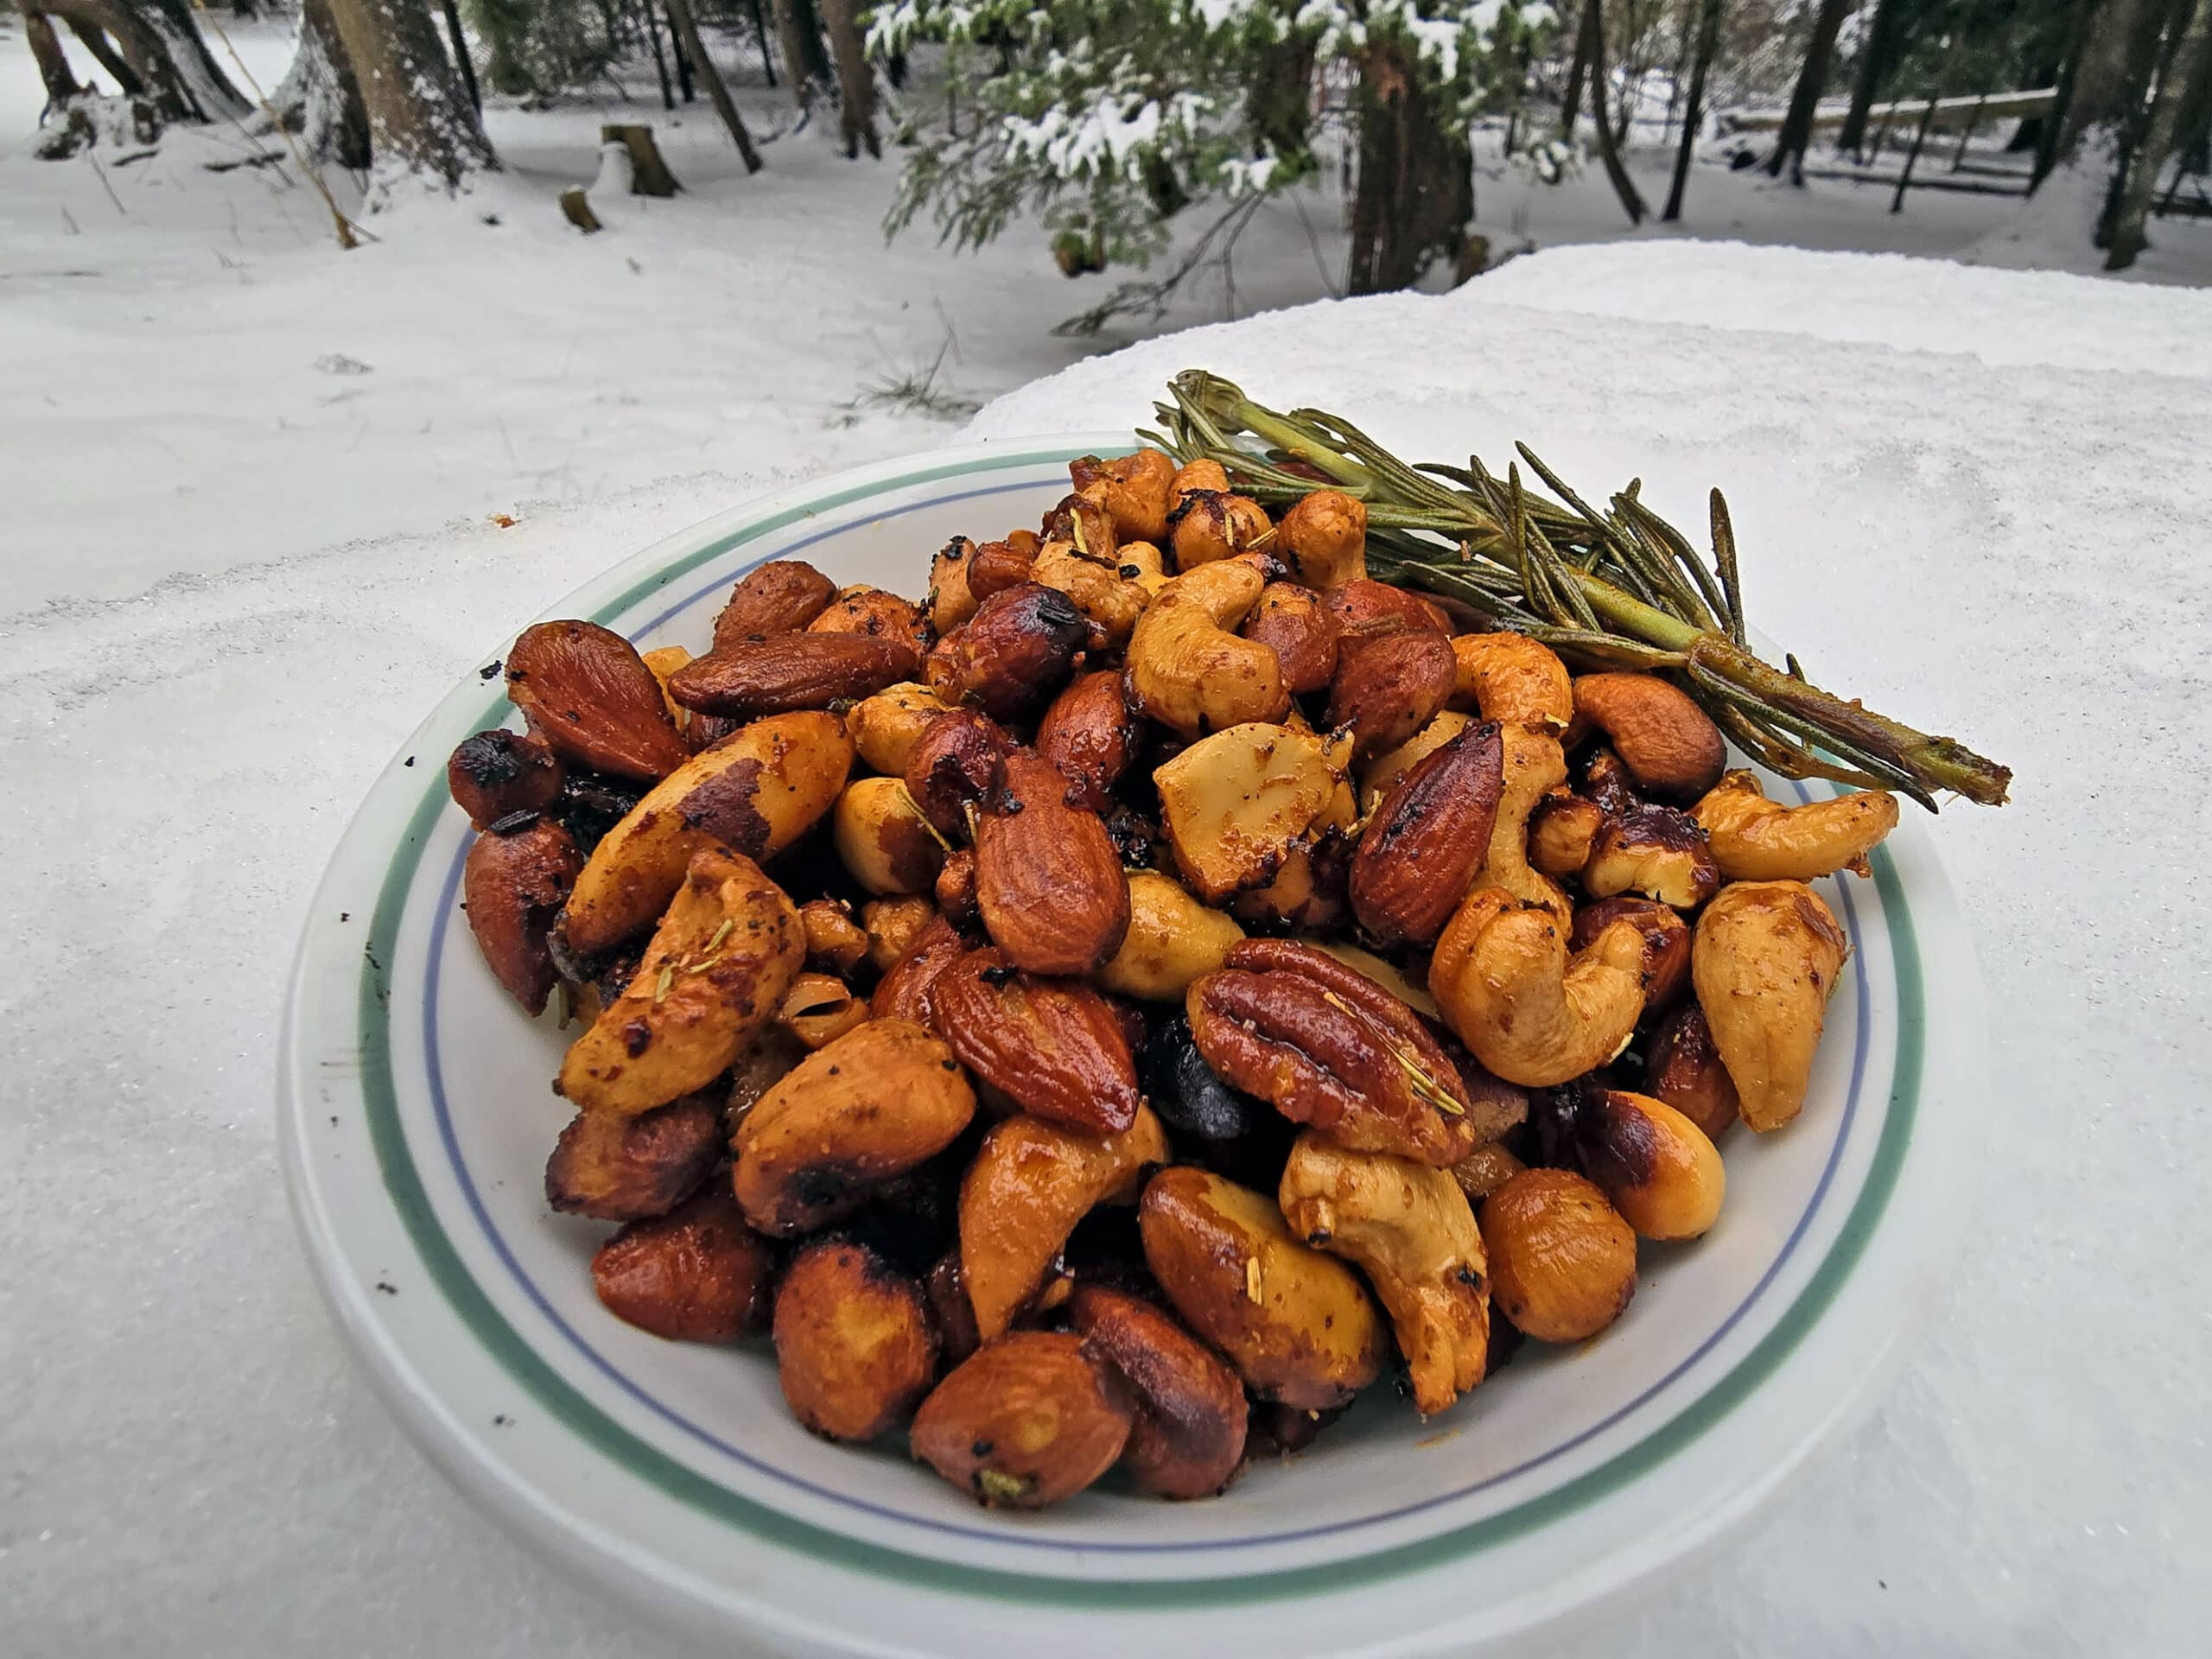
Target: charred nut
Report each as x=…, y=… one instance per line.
x=591, y=697
x=695, y=1274
x=1188, y=1436
x=955, y=765
x=867, y=1108
x=1191, y=477
x=1054, y=1046
x=1668, y=744
x=1212, y=524
x=1658, y=1168
x=876, y=611
x=951, y=601
x=886, y=728
x=1014, y=652
x=780, y=597
x=1048, y=879
x=1682, y=1067
x=616, y=1168
x=854, y=1348
x=795, y=671
x=1293, y=623
x=513, y=887
x=1023, y=1422
x=497, y=774
x=1426, y=839
x=1329, y=1047
x=947, y=1291
x=1666, y=943
x=1562, y=1259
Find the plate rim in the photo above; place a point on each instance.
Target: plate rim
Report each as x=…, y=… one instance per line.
x=626, y=585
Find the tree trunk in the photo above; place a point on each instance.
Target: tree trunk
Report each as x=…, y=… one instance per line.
x=1873, y=66
x=161, y=44
x=687, y=31
x=683, y=58
x=1708, y=41
x=1416, y=195
x=460, y=56
x=319, y=98
x=798, y=36
x=1570, y=103
x=760, y=37
x=61, y=84
x=95, y=41
x=1797, y=123
x=660, y=58
x=649, y=174
x=2126, y=236
x=419, y=112
x=2057, y=126
x=855, y=79
x=1608, y=150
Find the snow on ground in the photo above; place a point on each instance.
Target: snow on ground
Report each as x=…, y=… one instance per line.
x=200, y=379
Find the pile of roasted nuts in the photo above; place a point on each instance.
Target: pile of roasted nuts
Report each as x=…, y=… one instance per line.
x=1116, y=1009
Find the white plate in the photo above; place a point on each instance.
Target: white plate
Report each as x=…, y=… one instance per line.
x=416, y=1118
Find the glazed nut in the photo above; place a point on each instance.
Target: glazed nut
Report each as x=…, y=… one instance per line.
x=1134, y=489
x=1562, y=1259
x=1682, y=1067
x=1754, y=839
x=1666, y=943
x=1111, y=589
x=882, y=839
x=1485, y=1169
x=1048, y=881
x=1023, y=1422
x=1212, y=524
x=794, y=671
x=615, y=1168
x=903, y=992
x=870, y=1106
x=782, y=596
x=855, y=1350
x=1561, y=832
x=954, y=763
x=998, y=566
x=1374, y=610
x=1301, y=631
x=835, y=942
x=1031, y=1182
x=1668, y=744
x=1329, y=1047
x=1090, y=733
x=1193, y=476
x=1764, y=961
x=1387, y=688
x=1053, y=1047
x=1187, y=671
x=1657, y=1167
x=1514, y=680
x=876, y=611
x=1082, y=523
x=1014, y=652
x=956, y=888
x=819, y=1008
x=1324, y=537
x=1654, y=851
x=1235, y=804
x=497, y=774
x=892, y=925
x=1186, y=1438
x=1173, y=938
x=886, y=728
x=1426, y=839
x=951, y=601
x=591, y=697
x=772, y=1055
x=1501, y=974
x=513, y=887
x=695, y=1274
x=947, y=1291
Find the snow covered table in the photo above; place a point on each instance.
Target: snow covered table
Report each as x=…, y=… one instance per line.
x=1975, y=497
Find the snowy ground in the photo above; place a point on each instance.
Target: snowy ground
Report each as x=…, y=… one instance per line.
x=198, y=378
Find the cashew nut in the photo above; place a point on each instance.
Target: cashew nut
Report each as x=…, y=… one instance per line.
x=1325, y=535
x=1107, y=586
x=1509, y=989
x=1764, y=961
x=1534, y=765
x=1514, y=680
x=1754, y=839
x=1187, y=670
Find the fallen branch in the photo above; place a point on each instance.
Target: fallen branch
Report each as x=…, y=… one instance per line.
x=265, y=158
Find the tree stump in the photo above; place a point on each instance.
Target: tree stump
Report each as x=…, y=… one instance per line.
x=649, y=174
x=577, y=207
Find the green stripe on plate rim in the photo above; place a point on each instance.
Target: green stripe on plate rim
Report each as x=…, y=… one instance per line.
x=505, y=1344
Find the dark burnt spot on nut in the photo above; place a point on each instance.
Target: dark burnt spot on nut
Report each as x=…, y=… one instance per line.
x=725, y=806
x=637, y=1037
x=1619, y=1144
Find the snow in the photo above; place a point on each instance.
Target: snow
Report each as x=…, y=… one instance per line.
x=248, y=541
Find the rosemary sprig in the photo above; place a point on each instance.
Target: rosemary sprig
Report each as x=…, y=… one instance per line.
x=1621, y=588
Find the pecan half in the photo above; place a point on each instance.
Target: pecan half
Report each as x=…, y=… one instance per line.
x=1426, y=840
x=794, y=671
x=1048, y=881
x=1054, y=1046
x=1329, y=1047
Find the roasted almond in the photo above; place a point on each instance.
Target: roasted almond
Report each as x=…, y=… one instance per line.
x=1188, y=1436
x=954, y=763
x=513, y=887
x=1426, y=840
x=903, y=992
x=1329, y=1047
x=1090, y=733
x=1053, y=1047
x=1387, y=688
x=787, y=672
x=497, y=774
x=695, y=1274
x=590, y=695
x=1048, y=881
x=1301, y=630
x=1014, y=652
x=780, y=597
